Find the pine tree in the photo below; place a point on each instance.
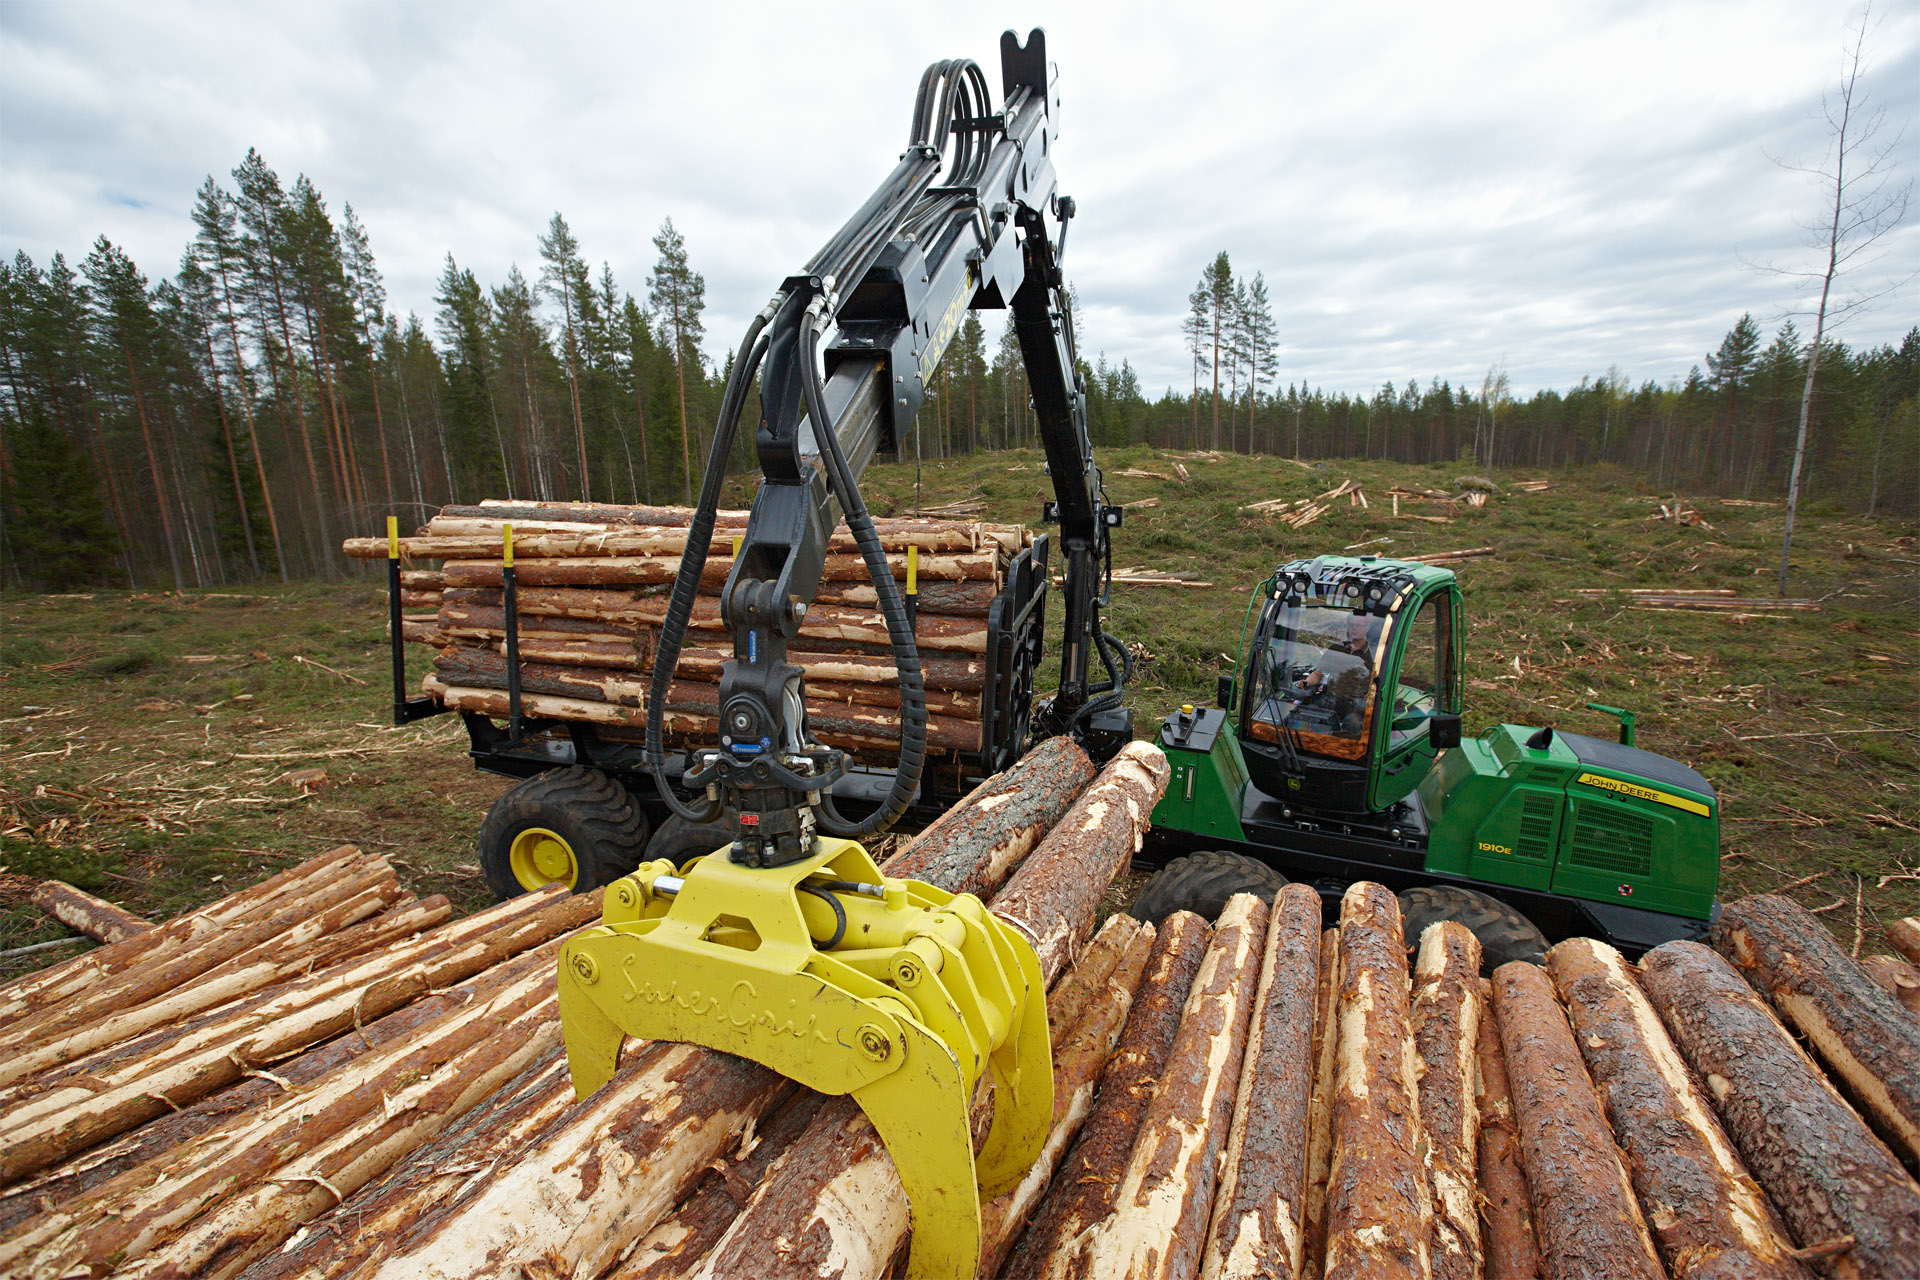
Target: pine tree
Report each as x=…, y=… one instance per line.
x=1217, y=280
x=1263, y=364
x=1729, y=367
x=564, y=278
x=678, y=295
x=1194, y=330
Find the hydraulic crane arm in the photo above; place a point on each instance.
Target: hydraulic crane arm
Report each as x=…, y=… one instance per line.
x=853, y=340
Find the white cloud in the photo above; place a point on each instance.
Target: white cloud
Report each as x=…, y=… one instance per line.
x=1427, y=189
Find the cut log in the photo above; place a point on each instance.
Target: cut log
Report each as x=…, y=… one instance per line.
x=1320, y=1103
x=1901, y=979
x=1082, y=1193
x=52, y=987
x=1379, y=1208
x=1820, y=1165
x=1506, y=1207
x=894, y=534
x=83, y=913
x=1904, y=934
x=1087, y=980
x=229, y=1196
x=1051, y=899
x=1709, y=1217
x=839, y=572
x=1589, y=1223
x=1082, y=1046
x=70, y=1118
x=1446, y=1035
x=1164, y=1200
x=570, y=1202
x=1868, y=1041
x=677, y=1245
x=1257, y=1209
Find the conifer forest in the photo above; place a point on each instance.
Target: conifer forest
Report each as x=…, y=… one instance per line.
x=232, y=417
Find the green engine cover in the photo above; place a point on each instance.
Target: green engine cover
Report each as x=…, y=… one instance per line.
x=1580, y=816
x=1209, y=776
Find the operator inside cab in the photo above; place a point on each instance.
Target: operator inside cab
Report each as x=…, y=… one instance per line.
x=1316, y=679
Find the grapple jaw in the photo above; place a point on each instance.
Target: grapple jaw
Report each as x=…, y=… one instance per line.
x=894, y=991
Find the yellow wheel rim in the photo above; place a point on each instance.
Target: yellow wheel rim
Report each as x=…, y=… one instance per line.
x=540, y=857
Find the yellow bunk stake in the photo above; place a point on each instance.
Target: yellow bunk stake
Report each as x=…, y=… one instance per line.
x=894, y=991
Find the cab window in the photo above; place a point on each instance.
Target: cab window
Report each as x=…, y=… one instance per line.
x=1423, y=669
x=1314, y=677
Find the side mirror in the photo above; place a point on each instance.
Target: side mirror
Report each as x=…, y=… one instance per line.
x=1223, y=693
x=1443, y=731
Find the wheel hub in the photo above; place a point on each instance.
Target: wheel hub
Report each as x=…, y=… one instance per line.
x=541, y=857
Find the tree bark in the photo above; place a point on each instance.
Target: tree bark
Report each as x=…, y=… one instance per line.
x=1589, y=1223
x=1446, y=1034
x=1379, y=1208
x=1082, y=1193
x=83, y=913
x=1709, y=1217
x=1868, y=1041
x=1164, y=1199
x=1901, y=979
x=1083, y=1032
x=1320, y=1103
x=1506, y=1207
x=1822, y=1168
x=1256, y=1230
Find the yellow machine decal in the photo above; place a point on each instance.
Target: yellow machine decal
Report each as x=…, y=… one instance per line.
x=1639, y=792
x=943, y=332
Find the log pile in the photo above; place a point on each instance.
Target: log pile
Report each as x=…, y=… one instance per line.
x=1251, y=1099
x=592, y=584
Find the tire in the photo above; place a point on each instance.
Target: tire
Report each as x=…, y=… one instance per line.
x=574, y=826
x=1202, y=882
x=678, y=840
x=1504, y=933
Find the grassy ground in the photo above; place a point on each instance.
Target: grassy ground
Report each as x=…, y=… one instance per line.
x=158, y=749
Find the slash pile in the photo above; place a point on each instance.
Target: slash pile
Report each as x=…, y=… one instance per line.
x=592, y=588
x=1256, y=1097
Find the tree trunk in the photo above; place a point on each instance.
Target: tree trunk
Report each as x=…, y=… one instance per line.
x=1709, y=1217
x=1320, y=1103
x=83, y=913
x=1589, y=1223
x=1868, y=1041
x=1446, y=1034
x=1082, y=1193
x=1822, y=1168
x=1379, y=1208
x=1257, y=1210
x=1506, y=1207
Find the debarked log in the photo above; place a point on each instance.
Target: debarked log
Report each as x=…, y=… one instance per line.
x=1326, y=1042
x=1589, y=1224
x=1379, y=1209
x=1446, y=1034
x=967, y=579
x=1904, y=934
x=1869, y=1042
x=1709, y=1217
x=1902, y=980
x=1506, y=1207
x=1164, y=1200
x=83, y=913
x=1257, y=1212
x=1081, y=1194
x=1821, y=1166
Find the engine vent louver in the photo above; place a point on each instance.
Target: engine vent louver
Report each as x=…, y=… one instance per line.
x=1536, y=826
x=1610, y=839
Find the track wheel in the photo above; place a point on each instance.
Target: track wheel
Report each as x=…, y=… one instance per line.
x=574, y=826
x=1202, y=882
x=678, y=840
x=1504, y=933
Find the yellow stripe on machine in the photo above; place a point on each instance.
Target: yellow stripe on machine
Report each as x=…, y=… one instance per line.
x=1639, y=792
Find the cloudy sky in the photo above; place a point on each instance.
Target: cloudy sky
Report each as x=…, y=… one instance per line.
x=1427, y=188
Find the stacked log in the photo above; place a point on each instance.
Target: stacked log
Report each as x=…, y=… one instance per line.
x=1709, y=1217
x=1379, y=1206
x=1506, y=1206
x=1446, y=1035
x=1826, y=1172
x=1256, y=1228
x=1589, y=1223
x=592, y=591
x=1163, y=1202
x=1320, y=1103
x=1869, y=1042
x=1082, y=1193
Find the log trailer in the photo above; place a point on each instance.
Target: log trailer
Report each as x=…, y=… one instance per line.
x=1335, y=755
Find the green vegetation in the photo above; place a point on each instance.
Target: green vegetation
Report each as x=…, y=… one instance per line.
x=152, y=747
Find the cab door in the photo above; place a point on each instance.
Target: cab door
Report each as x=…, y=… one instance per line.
x=1421, y=673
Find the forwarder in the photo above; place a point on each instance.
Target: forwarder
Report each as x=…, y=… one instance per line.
x=1334, y=755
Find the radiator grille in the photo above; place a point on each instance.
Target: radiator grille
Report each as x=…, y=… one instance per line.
x=1536, y=826
x=1610, y=839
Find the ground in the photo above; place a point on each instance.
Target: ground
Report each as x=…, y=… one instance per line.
x=162, y=749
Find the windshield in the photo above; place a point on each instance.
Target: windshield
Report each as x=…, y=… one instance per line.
x=1314, y=677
